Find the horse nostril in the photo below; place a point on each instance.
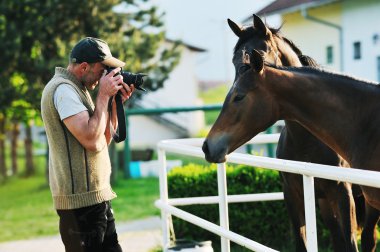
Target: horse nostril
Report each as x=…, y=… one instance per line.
x=205, y=147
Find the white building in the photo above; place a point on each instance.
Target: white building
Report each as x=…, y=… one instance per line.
x=180, y=90
x=343, y=35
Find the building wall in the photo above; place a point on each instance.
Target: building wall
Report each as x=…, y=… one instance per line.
x=144, y=132
x=313, y=38
x=180, y=90
x=361, y=22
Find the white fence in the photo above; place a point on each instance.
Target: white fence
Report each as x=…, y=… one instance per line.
x=191, y=147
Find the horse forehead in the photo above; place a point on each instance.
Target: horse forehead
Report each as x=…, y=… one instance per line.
x=250, y=44
x=250, y=40
x=243, y=48
x=255, y=42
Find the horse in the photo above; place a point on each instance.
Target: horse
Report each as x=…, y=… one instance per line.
x=264, y=93
x=242, y=67
x=296, y=143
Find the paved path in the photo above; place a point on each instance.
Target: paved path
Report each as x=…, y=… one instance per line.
x=135, y=236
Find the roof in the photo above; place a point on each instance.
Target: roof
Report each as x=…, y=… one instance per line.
x=287, y=6
x=190, y=47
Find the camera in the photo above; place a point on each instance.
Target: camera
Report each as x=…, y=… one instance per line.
x=130, y=78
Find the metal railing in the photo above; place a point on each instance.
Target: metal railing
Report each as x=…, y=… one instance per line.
x=155, y=111
x=191, y=147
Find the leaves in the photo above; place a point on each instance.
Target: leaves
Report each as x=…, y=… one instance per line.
x=37, y=35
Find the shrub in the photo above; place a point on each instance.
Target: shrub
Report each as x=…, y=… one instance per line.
x=264, y=222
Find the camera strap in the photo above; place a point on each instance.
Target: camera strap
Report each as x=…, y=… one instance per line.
x=121, y=131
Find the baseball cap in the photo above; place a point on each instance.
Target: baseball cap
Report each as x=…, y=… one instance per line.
x=92, y=50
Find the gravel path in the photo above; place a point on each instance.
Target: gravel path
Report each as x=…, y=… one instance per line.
x=135, y=236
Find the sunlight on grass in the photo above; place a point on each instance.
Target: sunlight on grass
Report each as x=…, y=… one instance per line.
x=27, y=208
x=213, y=96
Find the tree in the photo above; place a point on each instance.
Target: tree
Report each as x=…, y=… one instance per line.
x=37, y=35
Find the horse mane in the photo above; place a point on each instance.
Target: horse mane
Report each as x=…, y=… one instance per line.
x=308, y=61
x=318, y=70
x=250, y=31
x=304, y=59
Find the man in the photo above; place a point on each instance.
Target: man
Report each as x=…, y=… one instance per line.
x=78, y=134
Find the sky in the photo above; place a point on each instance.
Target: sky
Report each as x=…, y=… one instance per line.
x=203, y=23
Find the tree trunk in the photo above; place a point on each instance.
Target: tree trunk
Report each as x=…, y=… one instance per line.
x=3, y=167
x=29, y=165
x=14, y=139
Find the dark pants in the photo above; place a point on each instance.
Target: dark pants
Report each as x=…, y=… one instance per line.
x=89, y=229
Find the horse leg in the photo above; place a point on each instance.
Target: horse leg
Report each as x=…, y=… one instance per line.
x=359, y=205
x=369, y=236
x=295, y=206
x=342, y=205
x=331, y=222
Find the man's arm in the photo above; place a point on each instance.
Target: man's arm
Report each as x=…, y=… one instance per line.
x=90, y=131
x=114, y=122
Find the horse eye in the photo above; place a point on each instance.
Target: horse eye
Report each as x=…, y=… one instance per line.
x=238, y=97
x=243, y=68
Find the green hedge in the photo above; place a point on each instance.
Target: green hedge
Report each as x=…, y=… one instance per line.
x=265, y=222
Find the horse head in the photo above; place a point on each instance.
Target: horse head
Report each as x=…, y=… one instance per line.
x=277, y=49
x=238, y=122
x=247, y=110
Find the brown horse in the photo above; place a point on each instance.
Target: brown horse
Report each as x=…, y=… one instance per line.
x=296, y=143
x=263, y=94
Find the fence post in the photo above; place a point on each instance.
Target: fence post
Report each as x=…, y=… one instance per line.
x=223, y=205
x=310, y=217
x=164, y=196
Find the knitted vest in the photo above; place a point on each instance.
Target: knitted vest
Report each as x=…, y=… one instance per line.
x=77, y=177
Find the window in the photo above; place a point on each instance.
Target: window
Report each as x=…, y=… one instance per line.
x=357, y=50
x=329, y=55
x=378, y=68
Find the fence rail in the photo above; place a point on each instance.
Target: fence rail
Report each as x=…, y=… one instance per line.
x=191, y=147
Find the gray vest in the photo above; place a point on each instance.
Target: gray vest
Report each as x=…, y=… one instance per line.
x=77, y=177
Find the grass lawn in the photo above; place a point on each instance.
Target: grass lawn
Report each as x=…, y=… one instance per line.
x=26, y=207
x=213, y=96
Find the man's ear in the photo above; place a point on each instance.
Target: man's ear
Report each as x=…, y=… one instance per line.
x=257, y=61
x=84, y=66
x=235, y=28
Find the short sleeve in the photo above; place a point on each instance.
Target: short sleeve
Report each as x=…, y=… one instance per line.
x=67, y=101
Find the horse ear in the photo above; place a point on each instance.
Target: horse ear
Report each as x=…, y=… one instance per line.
x=257, y=61
x=235, y=28
x=260, y=26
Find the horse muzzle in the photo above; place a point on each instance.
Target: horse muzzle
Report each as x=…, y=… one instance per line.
x=215, y=151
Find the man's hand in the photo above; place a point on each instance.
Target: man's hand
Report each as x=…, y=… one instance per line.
x=126, y=91
x=109, y=84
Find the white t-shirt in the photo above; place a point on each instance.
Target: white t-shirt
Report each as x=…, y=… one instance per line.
x=67, y=101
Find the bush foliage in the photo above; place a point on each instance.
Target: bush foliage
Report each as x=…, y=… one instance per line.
x=264, y=222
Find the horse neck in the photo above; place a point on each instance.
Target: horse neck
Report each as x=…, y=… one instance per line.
x=287, y=56
x=327, y=108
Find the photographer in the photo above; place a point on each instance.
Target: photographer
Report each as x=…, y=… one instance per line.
x=78, y=134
